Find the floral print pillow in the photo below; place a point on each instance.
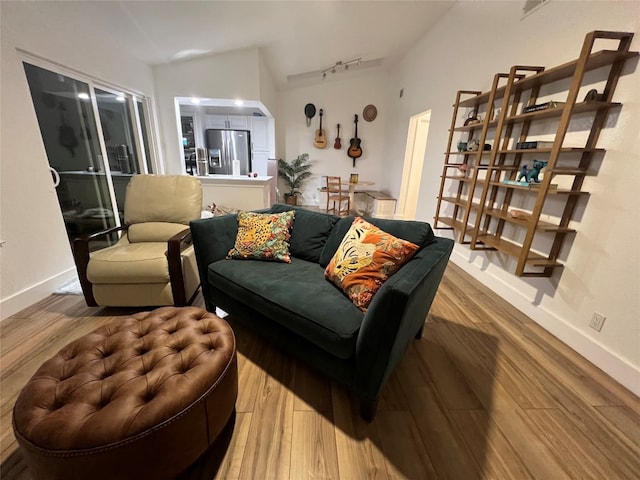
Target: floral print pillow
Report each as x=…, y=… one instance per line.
x=263, y=236
x=365, y=259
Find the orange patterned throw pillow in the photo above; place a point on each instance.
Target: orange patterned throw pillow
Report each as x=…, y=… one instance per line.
x=365, y=259
x=263, y=236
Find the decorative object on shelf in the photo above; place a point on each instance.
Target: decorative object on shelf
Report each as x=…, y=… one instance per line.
x=471, y=118
x=532, y=174
x=531, y=185
x=309, y=112
x=320, y=141
x=294, y=174
x=337, y=144
x=462, y=146
x=463, y=170
x=542, y=106
x=355, y=150
x=533, y=145
x=519, y=214
x=523, y=173
x=487, y=147
x=370, y=113
x=593, y=96
x=517, y=183
x=473, y=145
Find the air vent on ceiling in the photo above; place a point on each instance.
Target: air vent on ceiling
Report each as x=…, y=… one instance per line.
x=532, y=5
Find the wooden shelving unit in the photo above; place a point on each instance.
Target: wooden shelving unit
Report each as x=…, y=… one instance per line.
x=478, y=206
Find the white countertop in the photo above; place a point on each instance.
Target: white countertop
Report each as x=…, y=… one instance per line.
x=236, y=179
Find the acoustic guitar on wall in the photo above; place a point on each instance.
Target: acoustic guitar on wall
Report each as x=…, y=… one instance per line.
x=321, y=138
x=355, y=150
x=337, y=144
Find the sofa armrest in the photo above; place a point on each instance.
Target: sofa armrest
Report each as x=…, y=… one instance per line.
x=212, y=239
x=398, y=311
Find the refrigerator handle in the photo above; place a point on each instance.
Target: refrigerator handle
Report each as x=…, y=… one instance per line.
x=227, y=153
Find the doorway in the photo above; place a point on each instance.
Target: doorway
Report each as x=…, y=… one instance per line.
x=413, y=163
x=95, y=143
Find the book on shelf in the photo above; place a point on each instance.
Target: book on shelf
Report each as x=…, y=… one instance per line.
x=533, y=145
x=513, y=182
x=542, y=106
x=527, y=184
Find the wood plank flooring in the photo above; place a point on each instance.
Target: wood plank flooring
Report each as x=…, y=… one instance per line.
x=484, y=394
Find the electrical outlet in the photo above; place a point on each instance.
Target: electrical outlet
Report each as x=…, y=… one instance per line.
x=597, y=320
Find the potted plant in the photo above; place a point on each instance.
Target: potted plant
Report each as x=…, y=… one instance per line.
x=294, y=174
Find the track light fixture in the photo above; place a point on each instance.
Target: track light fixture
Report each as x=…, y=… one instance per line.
x=340, y=65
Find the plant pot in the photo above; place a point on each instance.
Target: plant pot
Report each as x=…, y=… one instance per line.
x=291, y=199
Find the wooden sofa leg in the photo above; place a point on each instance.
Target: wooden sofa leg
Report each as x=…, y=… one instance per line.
x=368, y=409
x=419, y=334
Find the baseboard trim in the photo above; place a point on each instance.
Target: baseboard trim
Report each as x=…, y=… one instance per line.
x=609, y=362
x=27, y=297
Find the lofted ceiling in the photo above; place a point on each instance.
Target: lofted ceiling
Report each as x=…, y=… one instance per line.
x=294, y=37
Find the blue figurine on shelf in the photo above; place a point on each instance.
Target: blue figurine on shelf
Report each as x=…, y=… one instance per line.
x=532, y=174
x=523, y=174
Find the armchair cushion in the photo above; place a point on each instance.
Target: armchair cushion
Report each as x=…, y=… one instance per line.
x=124, y=262
x=162, y=198
x=154, y=231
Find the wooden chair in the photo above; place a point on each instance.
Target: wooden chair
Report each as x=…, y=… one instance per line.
x=336, y=195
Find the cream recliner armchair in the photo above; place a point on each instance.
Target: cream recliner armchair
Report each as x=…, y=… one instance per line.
x=153, y=263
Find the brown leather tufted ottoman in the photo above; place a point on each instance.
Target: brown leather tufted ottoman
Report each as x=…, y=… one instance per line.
x=140, y=398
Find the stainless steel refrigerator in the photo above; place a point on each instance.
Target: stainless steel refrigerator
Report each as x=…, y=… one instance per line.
x=225, y=146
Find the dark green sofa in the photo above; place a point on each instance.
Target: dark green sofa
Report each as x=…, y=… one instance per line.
x=295, y=307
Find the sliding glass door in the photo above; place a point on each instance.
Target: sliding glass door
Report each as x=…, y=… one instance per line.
x=96, y=140
x=118, y=132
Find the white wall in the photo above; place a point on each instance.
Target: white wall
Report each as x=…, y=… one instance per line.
x=233, y=75
x=268, y=91
x=36, y=257
x=466, y=48
x=340, y=99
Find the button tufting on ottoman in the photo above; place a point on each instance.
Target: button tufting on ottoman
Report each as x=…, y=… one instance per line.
x=142, y=397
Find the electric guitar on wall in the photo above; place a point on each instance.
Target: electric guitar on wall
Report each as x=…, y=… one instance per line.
x=321, y=139
x=355, y=151
x=337, y=145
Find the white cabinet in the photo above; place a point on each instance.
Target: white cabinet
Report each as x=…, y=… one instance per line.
x=259, y=162
x=233, y=122
x=262, y=140
x=237, y=122
x=215, y=121
x=260, y=133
